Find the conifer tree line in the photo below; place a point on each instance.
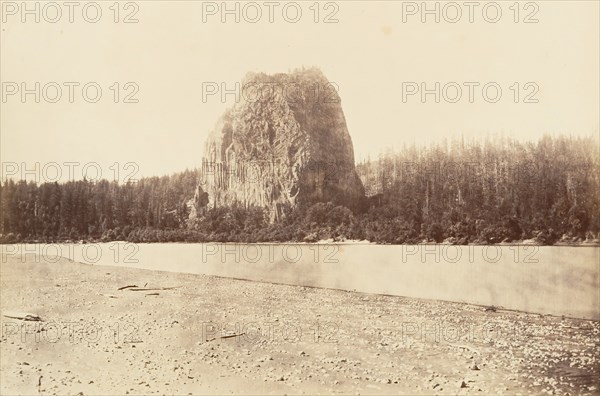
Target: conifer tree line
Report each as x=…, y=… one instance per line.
x=487, y=192
x=492, y=191
x=102, y=210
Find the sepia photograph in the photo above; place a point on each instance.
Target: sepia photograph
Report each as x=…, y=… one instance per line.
x=310, y=197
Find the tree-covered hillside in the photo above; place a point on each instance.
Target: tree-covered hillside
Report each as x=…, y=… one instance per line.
x=474, y=192
x=485, y=192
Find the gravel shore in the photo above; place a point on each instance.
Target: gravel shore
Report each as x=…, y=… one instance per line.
x=192, y=334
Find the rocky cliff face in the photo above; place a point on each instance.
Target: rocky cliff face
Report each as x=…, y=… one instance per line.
x=284, y=143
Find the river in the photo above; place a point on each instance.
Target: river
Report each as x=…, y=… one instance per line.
x=557, y=280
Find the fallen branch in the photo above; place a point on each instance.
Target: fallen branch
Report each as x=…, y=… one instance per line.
x=126, y=287
x=226, y=336
x=23, y=316
x=152, y=289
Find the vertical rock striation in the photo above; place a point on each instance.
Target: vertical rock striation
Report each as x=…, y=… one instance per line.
x=284, y=143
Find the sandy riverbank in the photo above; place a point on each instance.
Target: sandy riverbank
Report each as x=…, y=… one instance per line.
x=96, y=339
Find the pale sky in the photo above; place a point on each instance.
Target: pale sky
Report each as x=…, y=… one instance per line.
x=368, y=54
